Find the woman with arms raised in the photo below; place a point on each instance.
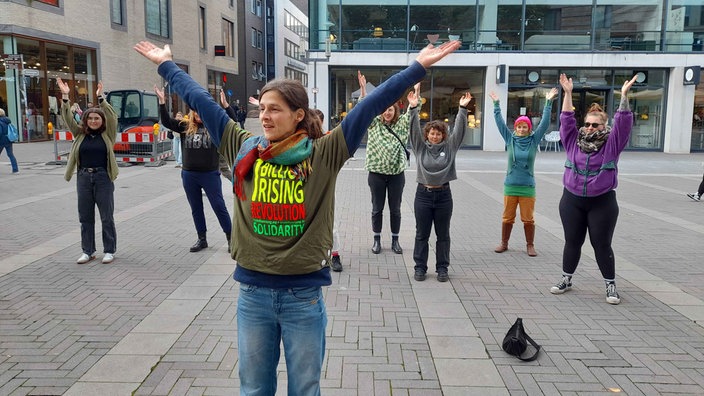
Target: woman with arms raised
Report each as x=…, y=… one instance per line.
x=283, y=214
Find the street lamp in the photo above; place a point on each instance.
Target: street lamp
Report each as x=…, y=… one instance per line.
x=307, y=59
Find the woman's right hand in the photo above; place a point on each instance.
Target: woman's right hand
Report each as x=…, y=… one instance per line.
x=413, y=96
x=154, y=53
x=493, y=96
x=566, y=83
x=160, y=94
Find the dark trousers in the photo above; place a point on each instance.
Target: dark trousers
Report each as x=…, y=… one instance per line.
x=209, y=182
x=96, y=189
x=700, y=190
x=379, y=185
x=432, y=208
x=596, y=215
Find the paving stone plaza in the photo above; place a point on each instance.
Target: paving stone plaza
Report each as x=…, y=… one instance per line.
x=161, y=321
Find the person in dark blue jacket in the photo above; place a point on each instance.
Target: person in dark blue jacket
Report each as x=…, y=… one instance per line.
x=5, y=142
x=284, y=182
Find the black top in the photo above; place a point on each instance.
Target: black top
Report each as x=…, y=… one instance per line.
x=93, y=153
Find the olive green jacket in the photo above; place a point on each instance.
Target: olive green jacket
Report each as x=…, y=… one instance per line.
x=109, y=136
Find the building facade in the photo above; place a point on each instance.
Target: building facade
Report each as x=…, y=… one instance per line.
x=83, y=42
x=518, y=50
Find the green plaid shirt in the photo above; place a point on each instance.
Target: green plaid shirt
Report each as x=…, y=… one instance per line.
x=385, y=154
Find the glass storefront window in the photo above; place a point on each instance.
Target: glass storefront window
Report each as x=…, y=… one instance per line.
x=684, y=26
x=32, y=108
x=527, y=89
x=440, y=91
x=627, y=26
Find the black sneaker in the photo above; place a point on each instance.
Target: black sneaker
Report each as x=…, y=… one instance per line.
x=562, y=286
x=612, y=295
x=419, y=275
x=336, y=264
x=694, y=197
x=443, y=276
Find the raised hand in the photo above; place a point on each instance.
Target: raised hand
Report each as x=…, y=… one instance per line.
x=154, y=53
x=99, y=91
x=550, y=95
x=63, y=86
x=627, y=85
x=493, y=96
x=223, y=99
x=160, y=94
x=566, y=83
x=362, y=84
x=429, y=55
x=414, y=96
x=254, y=101
x=465, y=99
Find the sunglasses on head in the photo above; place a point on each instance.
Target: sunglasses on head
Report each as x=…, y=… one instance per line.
x=592, y=124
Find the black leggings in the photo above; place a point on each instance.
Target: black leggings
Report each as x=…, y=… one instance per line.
x=700, y=190
x=597, y=215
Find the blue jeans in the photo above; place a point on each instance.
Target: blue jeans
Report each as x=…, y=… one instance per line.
x=432, y=208
x=96, y=189
x=265, y=317
x=11, y=155
x=209, y=182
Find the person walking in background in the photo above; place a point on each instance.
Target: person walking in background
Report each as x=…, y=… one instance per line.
x=588, y=202
x=284, y=210
x=519, y=185
x=200, y=172
x=435, y=152
x=696, y=196
x=336, y=263
x=386, y=162
x=92, y=154
x=6, y=143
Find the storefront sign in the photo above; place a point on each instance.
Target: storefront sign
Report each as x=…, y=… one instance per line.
x=13, y=61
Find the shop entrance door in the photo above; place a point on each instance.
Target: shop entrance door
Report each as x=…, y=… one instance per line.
x=582, y=99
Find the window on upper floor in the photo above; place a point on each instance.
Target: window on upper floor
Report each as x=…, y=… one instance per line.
x=255, y=71
x=201, y=28
x=254, y=37
x=117, y=12
x=260, y=40
x=158, y=18
x=228, y=37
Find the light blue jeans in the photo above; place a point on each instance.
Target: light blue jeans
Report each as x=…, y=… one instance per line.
x=176, y=148
x=265, y=317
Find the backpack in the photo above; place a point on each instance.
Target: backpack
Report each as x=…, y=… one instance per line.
x=12, y=133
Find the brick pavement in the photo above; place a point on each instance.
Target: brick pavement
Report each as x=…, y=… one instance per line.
x=161, y=321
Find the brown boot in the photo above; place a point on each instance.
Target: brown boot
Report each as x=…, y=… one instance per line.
x=505, y=235
x=530, y=235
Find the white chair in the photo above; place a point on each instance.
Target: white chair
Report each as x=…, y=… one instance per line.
x=552, y=138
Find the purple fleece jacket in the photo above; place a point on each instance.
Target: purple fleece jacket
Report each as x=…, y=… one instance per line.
x=591, y=175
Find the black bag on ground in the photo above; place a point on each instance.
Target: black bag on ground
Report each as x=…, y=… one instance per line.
x=516, y=342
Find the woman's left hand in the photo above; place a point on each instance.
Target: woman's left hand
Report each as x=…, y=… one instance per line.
x=154, y=53
x=551, y=94
x=223, y=99
x=99, y=91
x=465, y=99
x=627, y=85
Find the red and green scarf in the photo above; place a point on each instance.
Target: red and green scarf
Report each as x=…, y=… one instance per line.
x=294, y=150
